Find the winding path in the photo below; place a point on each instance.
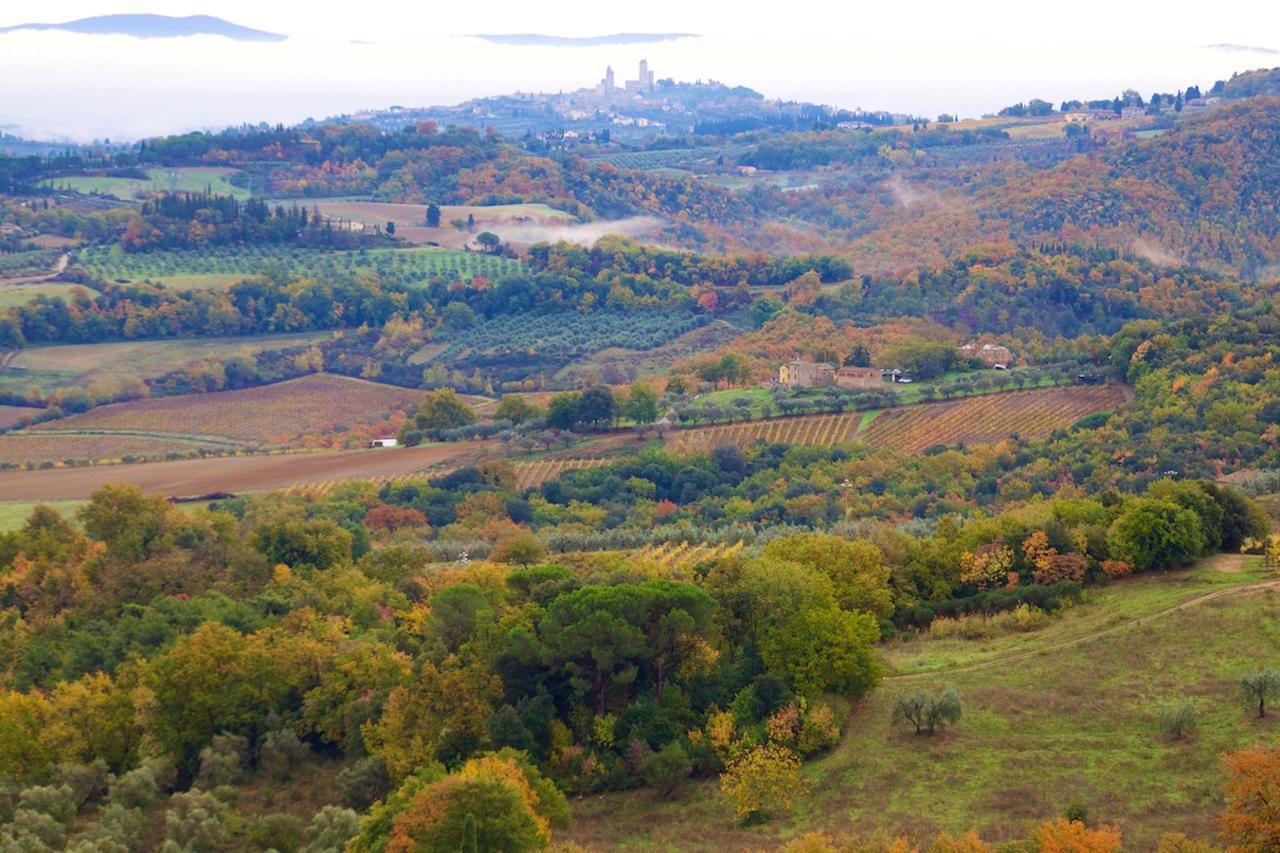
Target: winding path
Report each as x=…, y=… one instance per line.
x=1194, y=601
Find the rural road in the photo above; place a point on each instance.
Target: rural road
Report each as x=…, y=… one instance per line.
x=192, y=477
x=58, y=269
x=1003, y=660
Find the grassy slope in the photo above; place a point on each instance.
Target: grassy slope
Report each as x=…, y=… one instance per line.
x=1040, y=732
x=13, y=514
x=193, y=179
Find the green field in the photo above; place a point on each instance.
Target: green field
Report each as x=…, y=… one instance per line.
x=220, y=265
x=13, y=514
x=1061, y=716
x=20, y=294
x=129, y=189
x=53, y=367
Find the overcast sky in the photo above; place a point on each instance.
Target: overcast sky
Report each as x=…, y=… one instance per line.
x=922, y=57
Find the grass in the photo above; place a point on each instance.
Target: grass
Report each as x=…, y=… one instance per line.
x=14, y=514
x=1070, y=725
x=192, y=179
x=13, y=295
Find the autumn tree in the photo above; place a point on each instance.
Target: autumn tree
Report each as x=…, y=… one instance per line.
x=763, y=781
x=1251, y=820
x=1072, y=836
x=522, y=548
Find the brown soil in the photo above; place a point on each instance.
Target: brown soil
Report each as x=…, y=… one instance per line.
x=191, y=477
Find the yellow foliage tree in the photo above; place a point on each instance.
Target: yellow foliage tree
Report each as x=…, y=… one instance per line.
x=764, y=780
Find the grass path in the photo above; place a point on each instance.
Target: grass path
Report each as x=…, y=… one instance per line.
x=1003, y=660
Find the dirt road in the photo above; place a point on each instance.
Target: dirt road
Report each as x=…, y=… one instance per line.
x=1004, y=660
x=191, y=477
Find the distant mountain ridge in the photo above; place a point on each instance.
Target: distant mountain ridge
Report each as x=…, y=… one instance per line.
x=154, y=26
x=538, y=39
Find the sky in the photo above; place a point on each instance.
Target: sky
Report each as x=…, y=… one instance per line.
x=923, y=57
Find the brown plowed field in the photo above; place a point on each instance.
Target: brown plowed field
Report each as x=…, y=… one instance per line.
x=192, y=477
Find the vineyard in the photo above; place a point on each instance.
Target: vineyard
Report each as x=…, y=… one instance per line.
x=671, y=157
x=682, y=556
x=400, y=266
x=972, y=420
x=266, y=415
x=531, y=475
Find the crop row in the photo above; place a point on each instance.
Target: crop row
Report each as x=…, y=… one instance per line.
x=985, y=418
x=568, y=333
x=684, y=555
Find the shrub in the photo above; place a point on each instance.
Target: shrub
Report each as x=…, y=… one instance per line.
x=363, y=783
x=819, y=732
x=765, y=780
x=666, y=769
x=196, y=820
x=280, y=753
x=331, y=829
x=222, y=762
x=279, y=832
x=88, y=782
x=927, y=713
x=1177, y=719
x=116, y=825
x=56, y=801
x=978, y=626
x=140, y=787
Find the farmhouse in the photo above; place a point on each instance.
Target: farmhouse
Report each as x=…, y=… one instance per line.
x=859, y=377
x=991, y=355
x=384, y=442
x=806, y=374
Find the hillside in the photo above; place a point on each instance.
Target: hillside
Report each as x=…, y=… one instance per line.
x=1024, y=748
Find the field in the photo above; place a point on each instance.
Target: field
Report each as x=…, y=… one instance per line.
x=10, y=415
x=19, y=448
x=251, y=473
x=567, y=333
x=21, y=265
x=682, y=556
x=1060, y=716
x=81, y=365
x=12, y=295
x=265, y=415
x=530, y=475
x=14, y=514
x=985, y=418
x=223, y=265
x=410, y=219
x=193, y=179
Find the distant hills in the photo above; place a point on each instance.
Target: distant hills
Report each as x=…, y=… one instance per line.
x=537, y=39
x=154, y=26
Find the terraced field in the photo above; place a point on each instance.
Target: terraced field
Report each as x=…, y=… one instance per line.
x=972, y=420
x=679, y=556
x=266, y=415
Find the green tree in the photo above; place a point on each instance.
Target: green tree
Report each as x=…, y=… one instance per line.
x=516, y=409
x=1155, y=534
x=520, y=548
x=642, y=404
x=433, y=215
x=489, y=241
x=562, y=412
x=825, y=651
x=595, y=407
x=443, y=409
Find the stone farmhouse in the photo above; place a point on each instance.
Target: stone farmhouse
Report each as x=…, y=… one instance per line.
x=810, y=374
